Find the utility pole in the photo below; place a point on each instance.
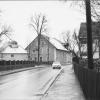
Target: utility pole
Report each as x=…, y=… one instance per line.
x=99, y=39
x=89, y=34
x=99, y=47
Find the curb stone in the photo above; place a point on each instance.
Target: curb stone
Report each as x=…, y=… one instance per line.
x=51, y=83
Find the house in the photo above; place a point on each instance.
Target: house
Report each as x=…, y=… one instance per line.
x=95, y=38
x=50, y=50
x=12, y=51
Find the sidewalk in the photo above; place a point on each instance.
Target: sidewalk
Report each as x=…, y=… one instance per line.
x=19, y=70
x=66, y=87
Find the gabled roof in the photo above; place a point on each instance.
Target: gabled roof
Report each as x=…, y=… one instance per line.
x=12, y=49
x=56, y=43
x=95, y=30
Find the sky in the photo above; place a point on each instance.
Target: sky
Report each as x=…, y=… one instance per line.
x=60, y=16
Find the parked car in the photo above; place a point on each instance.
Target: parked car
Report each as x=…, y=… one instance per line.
x=56, y=65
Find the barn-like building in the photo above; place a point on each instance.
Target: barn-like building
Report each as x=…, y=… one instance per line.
x=51, y=50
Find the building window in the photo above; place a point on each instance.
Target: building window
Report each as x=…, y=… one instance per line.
x=47, y=49
x=42, y=44
x=12, y=55
x=40, y=59
x=1, y=55
x=35, y=59
x=33, y=51
x=41, y=50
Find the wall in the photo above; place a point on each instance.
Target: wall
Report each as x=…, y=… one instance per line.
x=63, y=56
x=19, y=56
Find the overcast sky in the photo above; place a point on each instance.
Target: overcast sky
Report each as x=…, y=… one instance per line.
x=61, y=17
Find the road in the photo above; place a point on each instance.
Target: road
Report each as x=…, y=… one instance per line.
x=26, y=85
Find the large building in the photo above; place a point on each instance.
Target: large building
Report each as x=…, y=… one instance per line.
x=95, y=38
x=12, y=51
x=50, y=50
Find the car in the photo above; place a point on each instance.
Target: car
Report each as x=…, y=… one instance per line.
x=56, y=65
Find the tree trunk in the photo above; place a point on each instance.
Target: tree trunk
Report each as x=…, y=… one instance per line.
x=48, y=50
x=39, y=36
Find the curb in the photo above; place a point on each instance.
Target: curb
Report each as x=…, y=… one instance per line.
x=19, y=70
x=51, y=83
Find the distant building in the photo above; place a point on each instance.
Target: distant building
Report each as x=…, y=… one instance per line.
x=50, y=50
x=95, y=37
x=12, y=51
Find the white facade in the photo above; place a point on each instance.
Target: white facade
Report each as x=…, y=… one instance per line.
x=13, y=56
x=49, y=51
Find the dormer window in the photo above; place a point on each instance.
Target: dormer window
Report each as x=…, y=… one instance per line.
x=13, y=44
x=33, y=51
x=42, y=43
x=12, y=55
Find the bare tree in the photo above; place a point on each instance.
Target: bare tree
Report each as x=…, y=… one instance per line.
x=95, y=46
x=95, y=6
x=74, y=44
x=5, y=30
x=39, y=24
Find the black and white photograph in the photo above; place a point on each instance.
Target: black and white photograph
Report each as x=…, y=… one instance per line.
x=49, y=49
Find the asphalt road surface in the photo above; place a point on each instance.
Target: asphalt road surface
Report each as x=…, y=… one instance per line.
x=25, y=85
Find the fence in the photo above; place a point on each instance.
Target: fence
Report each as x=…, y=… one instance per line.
x=10, y=65
x=89, y=81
